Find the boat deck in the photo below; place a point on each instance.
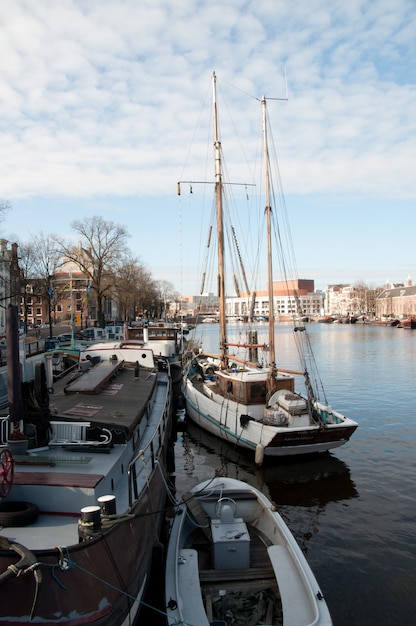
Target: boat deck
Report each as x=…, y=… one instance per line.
x=96, y=379
x=60, y=481
x=75, y=469
x=55, y=479
x=250, y=588
x=118, y=405
x=229, y=589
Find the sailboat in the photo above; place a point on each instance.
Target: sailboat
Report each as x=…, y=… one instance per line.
x=255, y=406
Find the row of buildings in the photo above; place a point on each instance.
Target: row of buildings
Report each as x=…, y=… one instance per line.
x=298, y=298
x=70, y=300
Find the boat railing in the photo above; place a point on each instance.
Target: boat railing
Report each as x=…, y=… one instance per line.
x=61, y=431
x=145, y=460
x=27, y=348
x=69, y=431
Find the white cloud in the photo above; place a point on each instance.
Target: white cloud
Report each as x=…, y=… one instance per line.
x=101, y=98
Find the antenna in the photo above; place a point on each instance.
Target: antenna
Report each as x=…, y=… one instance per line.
x=287, y=93
x=286, y=98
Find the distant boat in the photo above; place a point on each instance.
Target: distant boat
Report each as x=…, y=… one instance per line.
x=82, y=509
x=165, y=340
x=328, y=319
x=409, y=322
x=252, y=406
x=210, y=320
x=231, y=557
x=386, y=322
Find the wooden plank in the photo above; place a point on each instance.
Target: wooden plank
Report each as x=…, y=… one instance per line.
x=95, y=379
x=57, y=479
x=250, y=573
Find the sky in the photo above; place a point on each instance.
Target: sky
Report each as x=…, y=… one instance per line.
x=100, y=101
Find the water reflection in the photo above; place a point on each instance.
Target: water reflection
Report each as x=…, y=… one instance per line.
x=308, y=482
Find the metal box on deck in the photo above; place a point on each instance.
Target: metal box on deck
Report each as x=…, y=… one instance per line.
x=231, y=544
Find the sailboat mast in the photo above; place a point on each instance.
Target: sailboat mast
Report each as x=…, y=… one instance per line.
x=220, y=225
x=268, y=211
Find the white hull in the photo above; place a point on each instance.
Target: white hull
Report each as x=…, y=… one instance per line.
x=234, y=517
x=221, y=417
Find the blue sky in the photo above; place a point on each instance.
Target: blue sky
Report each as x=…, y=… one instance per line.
x=100, y=100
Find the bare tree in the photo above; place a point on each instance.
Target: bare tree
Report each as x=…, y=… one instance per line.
x=102, y=245
x=46, y=259
x=165, y=291
x=4, y=207
x=136, y=290
x=133, y=282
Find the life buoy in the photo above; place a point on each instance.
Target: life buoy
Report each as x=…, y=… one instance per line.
x=13, y=514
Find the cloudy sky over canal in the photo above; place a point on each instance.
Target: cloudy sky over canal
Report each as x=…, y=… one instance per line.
x=100, y=100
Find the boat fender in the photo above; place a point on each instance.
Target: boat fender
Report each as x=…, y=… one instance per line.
x=259, y=456
x=244, y=420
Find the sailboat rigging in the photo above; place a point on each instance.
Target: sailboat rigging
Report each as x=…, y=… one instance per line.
x=256, y=407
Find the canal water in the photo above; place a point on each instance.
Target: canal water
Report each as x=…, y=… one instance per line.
x=353, y=512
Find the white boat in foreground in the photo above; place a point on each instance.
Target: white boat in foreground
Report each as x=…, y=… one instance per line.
x=230, y=552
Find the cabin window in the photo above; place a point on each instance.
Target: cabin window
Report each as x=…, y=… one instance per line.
x=257, y=391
